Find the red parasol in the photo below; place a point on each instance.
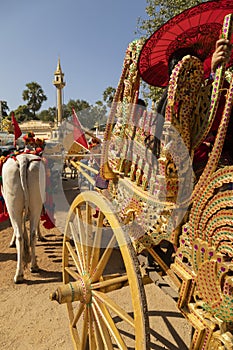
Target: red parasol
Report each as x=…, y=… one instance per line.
x=197, y=28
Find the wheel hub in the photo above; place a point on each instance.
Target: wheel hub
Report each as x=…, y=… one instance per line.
x=74, y=291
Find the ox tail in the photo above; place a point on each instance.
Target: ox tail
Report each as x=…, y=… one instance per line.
x=23, y=166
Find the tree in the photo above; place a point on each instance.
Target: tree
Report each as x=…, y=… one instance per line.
x=35, y=96
x=47, y=115
x=88, y=114
x=22, y=113
x=4, y=108
x=78, y=105
x=81, y=107
x=108, y=95
x=159, y=12
x=98, y=114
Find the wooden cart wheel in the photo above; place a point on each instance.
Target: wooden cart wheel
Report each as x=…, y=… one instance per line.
x=92, y=248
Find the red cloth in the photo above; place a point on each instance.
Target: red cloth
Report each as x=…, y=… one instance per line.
x=4, y=217
x=79, y=136
x=47, y=222
x=17, y=130
x=3, y=211
x=47, y=215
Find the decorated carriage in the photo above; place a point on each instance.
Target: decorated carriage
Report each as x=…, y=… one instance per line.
x=157, y=206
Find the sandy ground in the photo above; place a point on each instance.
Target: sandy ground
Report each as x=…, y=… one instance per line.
x=30, y=321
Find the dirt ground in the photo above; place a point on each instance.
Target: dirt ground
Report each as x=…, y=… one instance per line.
x=30, y=321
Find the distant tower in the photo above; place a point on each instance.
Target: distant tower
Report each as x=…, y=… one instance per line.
x=59, y=83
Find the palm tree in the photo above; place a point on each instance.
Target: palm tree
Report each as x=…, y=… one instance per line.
x=35, y=96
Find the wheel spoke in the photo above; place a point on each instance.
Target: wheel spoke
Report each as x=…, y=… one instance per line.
x=72, y=273
x=70, y=311
x=75, y=334
x=81, y=230
x=65, y=260
x=89, y=239
x=116, y=281
x=76, y=339
x=104, y=259
x=84, y=330
x=103, y=330
x=104, y=298
x=97, y=242
x=77, y=244
x=76, y=257
x=98, y=338
x=110, y=324
x=78, y=314
x=92, y=339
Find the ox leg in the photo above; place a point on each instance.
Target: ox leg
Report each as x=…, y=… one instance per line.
x=39, y=235
x=34, y=266
x=19, y=247
x=12, y=242
x=36, y=192
x=33, y=231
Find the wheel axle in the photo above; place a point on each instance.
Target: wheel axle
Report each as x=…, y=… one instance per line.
x=73, y=291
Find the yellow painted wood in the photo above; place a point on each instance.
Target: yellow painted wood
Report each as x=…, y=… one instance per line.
x=110, y=282
x=104, y=260
x=85, y=174
x=115, y=307
x=103, y=330
x=84, y=331
x=87, y=250
x=98, y=338
x=92, y=341
x=106, y=317
x=78, y=314
x=78, y=248
x=75, y=257
x=97, y=242
x=83, y=165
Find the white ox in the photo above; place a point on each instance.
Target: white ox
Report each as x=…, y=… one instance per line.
x=23, y=185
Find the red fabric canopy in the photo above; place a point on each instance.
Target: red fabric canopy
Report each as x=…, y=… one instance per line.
x=198, y=28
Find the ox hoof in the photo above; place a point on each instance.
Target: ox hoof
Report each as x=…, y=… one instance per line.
x=34, y=269
x=18, y=279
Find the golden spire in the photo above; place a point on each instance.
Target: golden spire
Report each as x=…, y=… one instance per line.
x=59, y=83
x=58, y=70
x=58, y=76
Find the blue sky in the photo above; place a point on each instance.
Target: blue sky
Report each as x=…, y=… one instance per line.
x=89, y=36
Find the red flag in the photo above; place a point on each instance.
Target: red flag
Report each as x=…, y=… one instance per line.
x=79, y=136
x=17, y=130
